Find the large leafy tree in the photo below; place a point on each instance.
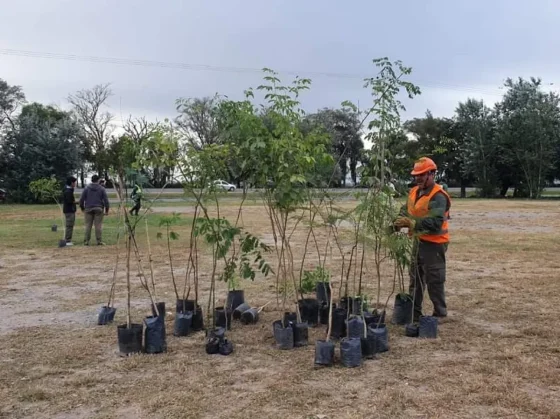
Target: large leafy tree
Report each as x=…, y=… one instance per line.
x=475, y=131
x=343, y=127
x=45, y=143
x=434, y=137
x=528, y=131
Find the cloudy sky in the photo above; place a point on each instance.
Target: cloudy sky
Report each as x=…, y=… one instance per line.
x=458, y=49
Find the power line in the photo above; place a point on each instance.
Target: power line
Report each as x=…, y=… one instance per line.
x=206, y=67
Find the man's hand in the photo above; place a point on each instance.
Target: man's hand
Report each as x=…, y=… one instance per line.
x=401, y=222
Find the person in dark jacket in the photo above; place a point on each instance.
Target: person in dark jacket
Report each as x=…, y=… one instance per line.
x=94, y=203
x=69, y=208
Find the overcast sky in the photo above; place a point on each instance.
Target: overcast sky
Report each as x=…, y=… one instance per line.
x=457, y=48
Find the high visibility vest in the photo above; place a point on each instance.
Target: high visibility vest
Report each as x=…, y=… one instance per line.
x=420, y=209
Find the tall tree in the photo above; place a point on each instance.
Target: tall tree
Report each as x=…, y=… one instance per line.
x=434, y=138
x=343, y=127
x=528, y=130
x=139, y=129
x=88, y=106
x=198, y=120
x=46, y=142
x=11, y=99
x=475, y=127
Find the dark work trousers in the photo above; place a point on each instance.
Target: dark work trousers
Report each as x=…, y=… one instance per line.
x=93, y=216
x=70, y=218
x=136, y=208
x=427, y=270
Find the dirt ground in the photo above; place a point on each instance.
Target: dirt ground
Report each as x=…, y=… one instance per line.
x=497, y=354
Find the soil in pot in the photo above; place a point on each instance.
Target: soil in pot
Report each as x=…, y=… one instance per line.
x=428, y=327
x=411, y=330
x=161, y=309
x=354, y=327
x=374, y=317
x=241, y=308
x=250, y=316
x=351, y=352
x=154, y=338
x=309, y=311
x=218, y=333
x=130, y=340
x=323, y=292
x=324, y=353
x=182, y=306
x=402, y=312
x=106, y=315
x=339, y=323
x=284, y=336
x=290, y=317
x=182, y=325
x=235, y=298
x=220, y=318
x=197, y=320
x=301, y=334
x=381, y=336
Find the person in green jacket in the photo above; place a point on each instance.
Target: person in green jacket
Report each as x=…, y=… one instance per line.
x=136, y=197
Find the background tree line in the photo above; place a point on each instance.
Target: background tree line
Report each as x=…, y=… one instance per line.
x=514, y=145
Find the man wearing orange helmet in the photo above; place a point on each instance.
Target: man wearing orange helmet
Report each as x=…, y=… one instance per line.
x=425, y=215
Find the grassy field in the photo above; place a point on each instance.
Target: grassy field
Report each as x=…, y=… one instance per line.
x=497, y=354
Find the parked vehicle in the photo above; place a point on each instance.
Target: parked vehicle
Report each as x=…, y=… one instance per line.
x=224, y=185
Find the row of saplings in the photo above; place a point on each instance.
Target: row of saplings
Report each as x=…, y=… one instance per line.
x=150, y=337
x=361, y=333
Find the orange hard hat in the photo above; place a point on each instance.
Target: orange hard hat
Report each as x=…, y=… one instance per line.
x=423, y=165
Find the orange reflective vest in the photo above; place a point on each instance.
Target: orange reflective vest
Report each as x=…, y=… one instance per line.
x=420, y=209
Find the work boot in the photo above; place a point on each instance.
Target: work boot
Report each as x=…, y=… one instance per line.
x=100, y=244
x=86, y=243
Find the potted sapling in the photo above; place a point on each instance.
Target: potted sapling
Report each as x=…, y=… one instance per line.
x=129, y=334
x=183, y=318
x=315, y=310
x=324, y=349
x=399, y=251
x=49, y=189
x=245, y=259
x=107, y=313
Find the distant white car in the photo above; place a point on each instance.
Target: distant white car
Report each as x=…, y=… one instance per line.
x=224, y=185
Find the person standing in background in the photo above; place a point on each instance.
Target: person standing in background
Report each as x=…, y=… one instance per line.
x=69, y=208
x=94, y=202
x=136, y=197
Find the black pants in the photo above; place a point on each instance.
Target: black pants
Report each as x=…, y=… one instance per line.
x=427, y=270
x=136, y=208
